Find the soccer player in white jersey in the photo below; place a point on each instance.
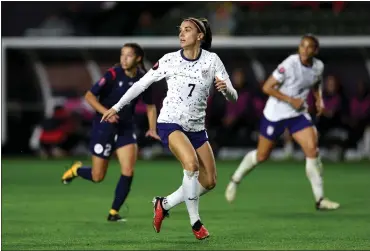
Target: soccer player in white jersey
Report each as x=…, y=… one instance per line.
x=288, y=88
x=190, y=73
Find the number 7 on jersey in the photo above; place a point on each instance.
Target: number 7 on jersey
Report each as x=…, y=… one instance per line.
x=192, y=89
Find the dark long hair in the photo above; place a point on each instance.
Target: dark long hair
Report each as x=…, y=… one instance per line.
x=203, y=26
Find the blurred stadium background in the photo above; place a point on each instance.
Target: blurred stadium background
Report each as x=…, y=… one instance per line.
x=52, y=52
x=61, y=48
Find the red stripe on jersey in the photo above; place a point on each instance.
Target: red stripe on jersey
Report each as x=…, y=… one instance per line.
x=113, y=73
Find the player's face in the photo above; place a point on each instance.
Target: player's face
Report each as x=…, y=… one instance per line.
x=307, y=49
x=189, y=35
x=128, y=58
x=238, y=78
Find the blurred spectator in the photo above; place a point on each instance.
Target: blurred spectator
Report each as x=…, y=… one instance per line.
x=54, y=25
x=222, y=19
x=145, y=25
x=58, y=135
x=338, y=6
x=331, y=123
x=233, y=123
x=69, y=22
x=359, y=117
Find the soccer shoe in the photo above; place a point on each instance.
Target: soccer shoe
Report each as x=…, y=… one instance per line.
x=325, y=204
x=71, y=173
x=116, y=218
x=202, y=233
x=159, y=214
x=230, y=193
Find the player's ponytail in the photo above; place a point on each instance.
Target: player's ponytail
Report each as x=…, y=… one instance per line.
x=207, y=41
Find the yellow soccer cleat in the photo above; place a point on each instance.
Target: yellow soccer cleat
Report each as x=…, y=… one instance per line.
x=71, y=173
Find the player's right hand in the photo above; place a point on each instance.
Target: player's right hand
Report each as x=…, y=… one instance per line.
x=108, y=114
x=296, y=103
x=113, y=119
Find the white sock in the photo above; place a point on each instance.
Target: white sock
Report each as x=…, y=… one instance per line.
x=177, y=197
x=247, y=165
x=191, y=197
x=313, y=171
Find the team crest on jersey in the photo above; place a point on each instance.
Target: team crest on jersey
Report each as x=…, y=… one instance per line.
x=205, y=73
x=281, y=70
x=120, y=83
x=155, y=66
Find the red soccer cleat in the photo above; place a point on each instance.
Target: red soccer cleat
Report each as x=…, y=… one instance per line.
x=159, y=214
x=202, y=233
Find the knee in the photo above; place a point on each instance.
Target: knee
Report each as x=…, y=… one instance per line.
x=127, y=170
x=98, y=177
x=211, y=183
x=311, y=150
x=191, y=164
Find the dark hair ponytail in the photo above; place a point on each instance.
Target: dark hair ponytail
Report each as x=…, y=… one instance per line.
x=207, y=41
x=139, y=52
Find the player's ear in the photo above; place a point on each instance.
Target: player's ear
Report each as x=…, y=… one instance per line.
x=200, y=36
x=138, y=59
x=316, y=51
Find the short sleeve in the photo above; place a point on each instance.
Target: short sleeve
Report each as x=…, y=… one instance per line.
x=103, y=81
x=281, y=72
x=220, y=71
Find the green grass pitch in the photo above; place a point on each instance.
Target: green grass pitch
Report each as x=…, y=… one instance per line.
x=274, y=209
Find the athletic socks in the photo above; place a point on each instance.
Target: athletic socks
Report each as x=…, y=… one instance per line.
x=177, y=197
x=84, y=172
x=248, y=163
x=313, y=171
x=191, y=196
x=122, y=190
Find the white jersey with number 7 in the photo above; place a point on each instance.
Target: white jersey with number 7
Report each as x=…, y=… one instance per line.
x=189, y=83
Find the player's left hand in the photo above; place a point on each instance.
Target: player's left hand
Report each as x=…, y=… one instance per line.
x=220, y=85
x=153, y=134
x=320, y=107
x=108, y=114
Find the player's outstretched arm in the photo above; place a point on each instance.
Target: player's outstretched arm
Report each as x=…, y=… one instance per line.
x=136, y=89
x=153, y=75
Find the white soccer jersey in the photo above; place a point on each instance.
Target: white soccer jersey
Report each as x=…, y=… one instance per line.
x=189, y=83
x=295, y=80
